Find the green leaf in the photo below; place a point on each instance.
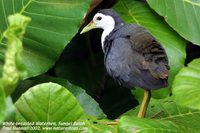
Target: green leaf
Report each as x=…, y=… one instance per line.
x=181, y=15
x=186, y=89
x=90, y=106
x=13, y=68
x=167, y=109
x=49, y=102
x=133, y=124
x=139, y=13
x=2, y=104
x=54, y=23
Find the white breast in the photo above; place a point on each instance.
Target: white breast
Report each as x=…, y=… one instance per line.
x=105, y=33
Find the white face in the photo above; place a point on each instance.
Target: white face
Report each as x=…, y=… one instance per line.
x=103, y=21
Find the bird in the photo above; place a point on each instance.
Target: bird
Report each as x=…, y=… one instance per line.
x=132, y=56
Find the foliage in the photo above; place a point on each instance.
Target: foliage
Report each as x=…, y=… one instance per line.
x=90, y=106
x=186, y=85
x=56, y=104
x=53, y=25
x=134, y=124
x=181, y=15
x=72, y=87
x=169, y=113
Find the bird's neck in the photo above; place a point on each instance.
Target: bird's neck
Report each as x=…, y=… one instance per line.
x=105, y=33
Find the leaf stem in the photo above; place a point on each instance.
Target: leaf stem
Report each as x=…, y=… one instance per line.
x=114, y=122
x=156, y=114
x=110, y=123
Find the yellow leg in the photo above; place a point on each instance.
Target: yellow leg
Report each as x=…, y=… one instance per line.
x=145, y=102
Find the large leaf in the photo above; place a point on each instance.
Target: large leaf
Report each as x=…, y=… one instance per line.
x=54, y=23
x=49, y=102
x=167, y=109
x=181, y=15
x=137, y=125
x=90, y=106
x=139, y=13
x=186, y=89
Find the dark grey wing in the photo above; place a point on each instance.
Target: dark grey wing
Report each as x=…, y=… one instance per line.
x=155, y=58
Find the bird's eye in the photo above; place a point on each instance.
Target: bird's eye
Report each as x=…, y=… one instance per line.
x=99, y=18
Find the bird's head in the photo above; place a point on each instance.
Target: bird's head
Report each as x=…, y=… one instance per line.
x=104, y=19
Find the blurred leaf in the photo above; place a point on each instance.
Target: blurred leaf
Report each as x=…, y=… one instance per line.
x=139, y=13
x=167, y=109
x=49, y=102
x=133, y=124
x=186, y=89
x=54, y=23
x=2, y=104
x=181, y=15
x=10, y=110
x=13, y=68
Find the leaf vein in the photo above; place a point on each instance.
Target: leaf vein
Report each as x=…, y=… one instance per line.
x=52, y=16
x=181, y=115
x=41, y=44
x=4, y=13
x=42, y=29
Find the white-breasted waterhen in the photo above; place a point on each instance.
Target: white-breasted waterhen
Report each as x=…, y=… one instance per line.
x=132, y=56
